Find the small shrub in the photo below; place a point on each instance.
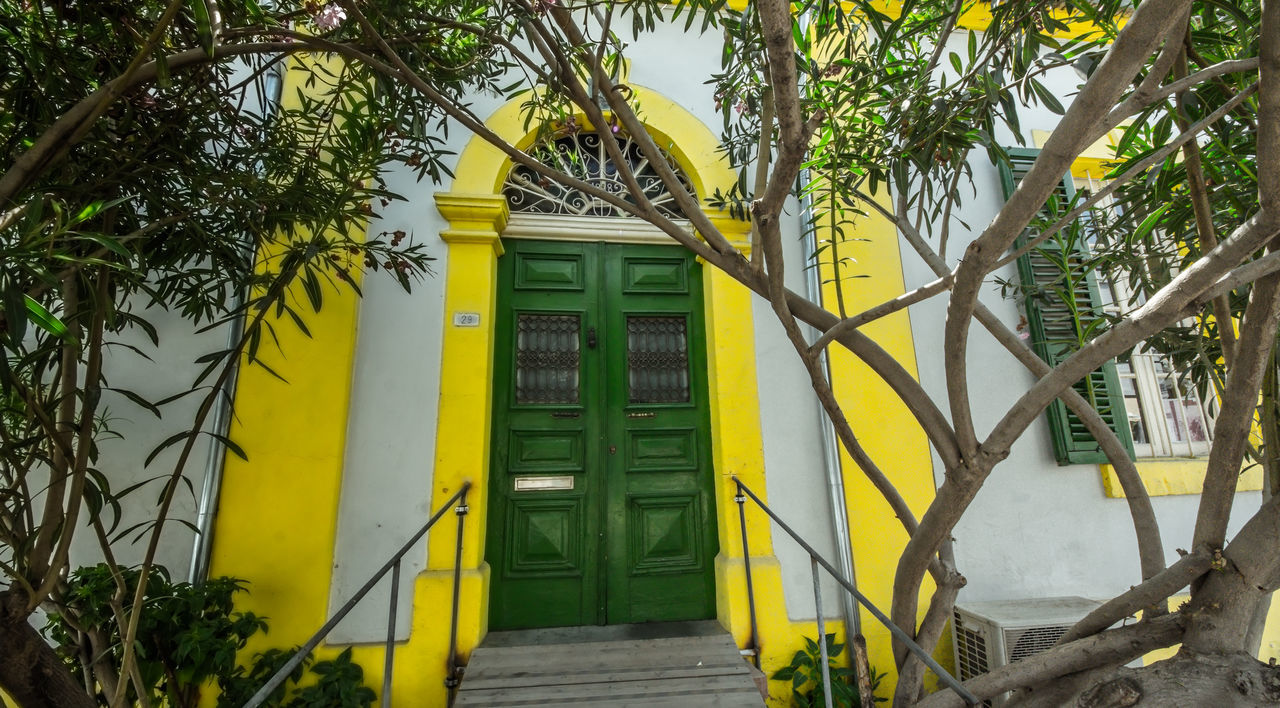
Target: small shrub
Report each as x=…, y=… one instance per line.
x=188, y=636
x=805, y=674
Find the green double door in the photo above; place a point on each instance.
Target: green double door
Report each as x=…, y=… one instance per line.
x=601, y=504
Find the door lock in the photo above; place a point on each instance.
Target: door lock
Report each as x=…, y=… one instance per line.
x=613, y=449
x=591, y=338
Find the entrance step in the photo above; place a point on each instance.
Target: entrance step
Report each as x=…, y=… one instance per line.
x=691, y=664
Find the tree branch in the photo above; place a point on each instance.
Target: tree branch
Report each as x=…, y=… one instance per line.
x=1234, y=422
x=1152, y=591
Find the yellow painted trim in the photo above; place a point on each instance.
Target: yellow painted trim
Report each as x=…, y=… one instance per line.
x=1095, y=161
x=1174, y=475
x=882, y=423
x=466, y=366
x=977, y=17
x=482, y=167
x=278, y=511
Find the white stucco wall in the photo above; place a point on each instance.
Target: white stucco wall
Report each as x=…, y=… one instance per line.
x=391, y=428
x=790, y=418
x=166, y=370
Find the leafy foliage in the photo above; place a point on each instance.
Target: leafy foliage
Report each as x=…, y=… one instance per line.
x=340, y=683
x=189, y=636
x=805, y=674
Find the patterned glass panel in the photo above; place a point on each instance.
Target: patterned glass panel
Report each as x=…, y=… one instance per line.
x=547, y=356
x=657, y=360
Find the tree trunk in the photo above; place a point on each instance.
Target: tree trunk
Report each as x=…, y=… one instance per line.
x=32, y=674
x=1220, y=612
x=1224, y=680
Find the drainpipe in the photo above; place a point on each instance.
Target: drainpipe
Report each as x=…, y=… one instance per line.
x=211, y=488
x=207, y=511
x=830, y=445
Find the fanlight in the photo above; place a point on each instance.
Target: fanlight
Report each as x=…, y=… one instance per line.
x=583, y=156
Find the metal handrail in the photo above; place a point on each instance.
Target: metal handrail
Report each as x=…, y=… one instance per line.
x=816, y=560
x=393, y=565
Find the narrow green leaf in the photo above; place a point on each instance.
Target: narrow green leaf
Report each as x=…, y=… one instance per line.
x=45, y=319
x=1148, y=224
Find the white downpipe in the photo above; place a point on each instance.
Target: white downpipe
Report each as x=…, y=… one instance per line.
x=830, y=445
x=211, y=487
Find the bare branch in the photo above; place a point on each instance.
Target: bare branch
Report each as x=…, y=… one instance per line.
x=1234, y=421
x=1136, y=170
x=1269, y=109
x=1203, y=211
x=793, y=132
x=1135, y=104
x=888, y=307
x=1154, y=590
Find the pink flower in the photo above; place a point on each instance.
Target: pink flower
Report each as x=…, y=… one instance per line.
x=330, y=16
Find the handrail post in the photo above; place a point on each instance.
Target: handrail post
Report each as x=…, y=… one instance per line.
x=389, y=660
x=303, y=652
x=741, y=499
x=822, y=632
x=848, y=587
x=452, y=678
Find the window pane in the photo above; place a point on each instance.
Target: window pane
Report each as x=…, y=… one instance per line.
x=1196, y=425
x=547, y=356
x=657, y=360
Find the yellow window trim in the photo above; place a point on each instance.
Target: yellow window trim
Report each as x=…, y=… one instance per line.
x=1165, y=476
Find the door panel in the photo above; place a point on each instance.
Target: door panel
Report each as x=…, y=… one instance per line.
x=601, y=479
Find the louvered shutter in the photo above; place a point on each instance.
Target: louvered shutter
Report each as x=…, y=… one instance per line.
x=1062, y=301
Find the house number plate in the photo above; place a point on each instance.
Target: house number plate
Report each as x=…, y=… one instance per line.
x=466, y=319
x=529, y=484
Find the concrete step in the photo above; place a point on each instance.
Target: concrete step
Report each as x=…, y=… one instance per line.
x=691, y=664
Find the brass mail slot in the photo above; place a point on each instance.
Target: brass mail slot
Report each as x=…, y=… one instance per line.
x=528, y=484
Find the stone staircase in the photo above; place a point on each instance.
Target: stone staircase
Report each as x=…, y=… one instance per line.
x=686, y=664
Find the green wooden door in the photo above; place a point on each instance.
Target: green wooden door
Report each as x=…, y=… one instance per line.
x=600, y=507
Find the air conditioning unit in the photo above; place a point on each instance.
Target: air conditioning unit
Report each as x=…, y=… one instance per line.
x=989, y=635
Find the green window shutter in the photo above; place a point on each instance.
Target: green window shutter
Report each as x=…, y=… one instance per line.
x=1062, y=303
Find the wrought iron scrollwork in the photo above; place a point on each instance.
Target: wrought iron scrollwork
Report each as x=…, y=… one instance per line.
x=547, y=355
x=583, y=156
x=657, y=360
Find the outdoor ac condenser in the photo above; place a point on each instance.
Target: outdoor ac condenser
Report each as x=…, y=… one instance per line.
x=989, y=635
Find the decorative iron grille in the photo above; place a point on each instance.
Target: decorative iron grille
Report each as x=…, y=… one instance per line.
x=657, y=360
x=583, y=156
x=547, y=355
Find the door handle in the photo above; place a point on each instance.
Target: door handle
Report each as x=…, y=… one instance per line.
x=591, y=338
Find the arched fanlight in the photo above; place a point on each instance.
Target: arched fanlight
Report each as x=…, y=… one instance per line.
x=583, y=155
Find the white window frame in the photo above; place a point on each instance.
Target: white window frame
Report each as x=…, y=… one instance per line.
x=1145, y=371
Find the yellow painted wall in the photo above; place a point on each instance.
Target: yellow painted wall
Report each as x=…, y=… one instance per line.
x=884, y=426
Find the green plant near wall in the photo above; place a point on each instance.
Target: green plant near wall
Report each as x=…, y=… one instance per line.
x=805, y=674
x=188, y=637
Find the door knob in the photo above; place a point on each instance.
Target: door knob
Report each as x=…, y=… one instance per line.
x=591, y=338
